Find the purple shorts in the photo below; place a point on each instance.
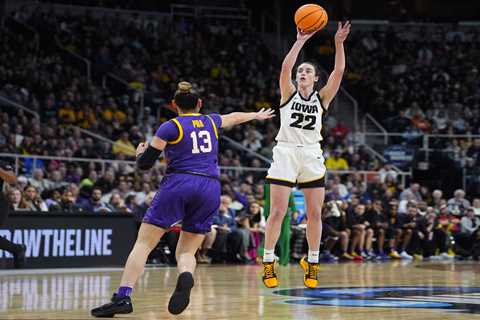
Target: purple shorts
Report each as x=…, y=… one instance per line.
x=188, y=199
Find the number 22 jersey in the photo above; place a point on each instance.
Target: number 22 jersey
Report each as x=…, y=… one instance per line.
x=301, y=119
x=192, y=143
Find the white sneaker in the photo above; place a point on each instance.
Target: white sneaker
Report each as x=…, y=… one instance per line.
x=436, y=258
x=406, y=256
x=445, y=256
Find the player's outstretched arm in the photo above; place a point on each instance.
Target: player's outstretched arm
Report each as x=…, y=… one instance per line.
x=235, y=118
x=329, y=91
x=147, y=154
x=286, y=86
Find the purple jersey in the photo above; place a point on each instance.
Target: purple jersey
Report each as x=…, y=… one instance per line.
x=192, y=143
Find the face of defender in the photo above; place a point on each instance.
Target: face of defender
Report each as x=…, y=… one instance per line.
x=306, y=75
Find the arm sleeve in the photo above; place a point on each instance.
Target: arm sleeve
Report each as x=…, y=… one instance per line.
x=168, y=131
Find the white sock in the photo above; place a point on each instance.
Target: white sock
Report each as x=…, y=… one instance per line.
x=268, y=255
x=313, y=256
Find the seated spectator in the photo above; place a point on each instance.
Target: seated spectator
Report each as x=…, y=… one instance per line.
x=458, y=203
x=16, y=200
x=67, y=204
x=123, y=145
x=33, y=200
x=116, y=203
x=476, y=206
x=444, y=224
x=38, y=181
x=336, y=232
x=95, y=203
x=228, y=244
x=466, y=238
x=408, y=223
x=336, y=161
x=256, y=225
x=379, y=222
x=387, y=172
x=393, y=233
x=362, y=234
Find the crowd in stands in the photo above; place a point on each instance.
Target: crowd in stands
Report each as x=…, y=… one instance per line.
x=418, y=80
x=373, y=219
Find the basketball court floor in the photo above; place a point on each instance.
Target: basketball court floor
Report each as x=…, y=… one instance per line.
x=393, y=290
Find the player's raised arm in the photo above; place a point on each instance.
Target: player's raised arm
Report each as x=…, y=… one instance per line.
x=329, y=91
x=286, y=86
x=235, y=118
x=148, y=153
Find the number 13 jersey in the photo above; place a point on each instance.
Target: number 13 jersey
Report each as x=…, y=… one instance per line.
x=301, y=120
x=192, y=143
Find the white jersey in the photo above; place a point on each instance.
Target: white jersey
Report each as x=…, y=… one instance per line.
x=301, y=120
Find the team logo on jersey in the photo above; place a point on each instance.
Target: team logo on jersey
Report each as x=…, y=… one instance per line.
x=456, y=299
x=306, y=108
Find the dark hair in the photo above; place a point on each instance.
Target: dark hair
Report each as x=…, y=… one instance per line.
x=316, y=69
x=184, y=97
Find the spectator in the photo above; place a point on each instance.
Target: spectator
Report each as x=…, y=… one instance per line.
x=458, y=203
x=37, y=180
x=336, y=161
x=387, y=172
x=476, y=206
x=17, y=202
x=33, y=200
x=467, y=237
x=95, y=203
x=123, y=145
x=413, y=193
x=116, y=203
x=335, y=222
x=228, y=244
x=67, y=204
x=379, y=223
x=362, y=234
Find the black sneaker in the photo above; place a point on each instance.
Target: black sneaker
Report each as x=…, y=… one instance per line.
x=19, y=258
x=121, y=305
x=181, y=296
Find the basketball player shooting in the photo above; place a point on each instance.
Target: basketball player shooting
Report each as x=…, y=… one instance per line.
x=298, y=158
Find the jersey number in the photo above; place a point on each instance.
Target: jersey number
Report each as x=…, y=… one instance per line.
x=206, y=143
x=300, y=117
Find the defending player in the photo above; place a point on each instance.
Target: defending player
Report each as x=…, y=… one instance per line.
x=189, y=193
x=297, y=157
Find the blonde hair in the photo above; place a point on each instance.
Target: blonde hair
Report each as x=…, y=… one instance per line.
x=184, y=87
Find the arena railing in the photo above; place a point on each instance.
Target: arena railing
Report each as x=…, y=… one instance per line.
x=88, y=64
x=104, y=163
x=216, y=12
x=8, y=102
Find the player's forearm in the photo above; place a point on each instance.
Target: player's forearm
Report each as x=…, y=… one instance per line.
x=339, y=58
x=292, y=55
x=235, y=118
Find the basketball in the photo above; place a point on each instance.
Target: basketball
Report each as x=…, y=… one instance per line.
x=311, y=17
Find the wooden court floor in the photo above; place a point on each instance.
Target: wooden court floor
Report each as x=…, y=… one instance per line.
x=393, y=290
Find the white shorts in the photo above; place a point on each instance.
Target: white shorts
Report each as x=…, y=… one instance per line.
x=299, y=165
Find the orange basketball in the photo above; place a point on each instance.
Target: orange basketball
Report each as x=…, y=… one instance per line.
x=311, y=17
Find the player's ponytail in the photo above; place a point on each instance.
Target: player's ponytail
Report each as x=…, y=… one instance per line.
x=185, y=97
